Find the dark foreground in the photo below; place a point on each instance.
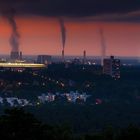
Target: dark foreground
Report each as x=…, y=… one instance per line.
x=17, y=124
x=110, y=119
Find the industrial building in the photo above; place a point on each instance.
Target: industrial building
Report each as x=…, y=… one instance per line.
x=111, y=66
x=44, y=59
x=15, y=55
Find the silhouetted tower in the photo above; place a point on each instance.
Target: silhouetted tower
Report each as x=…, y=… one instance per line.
x=63, y=55
x=84, y=56
x=20, y=55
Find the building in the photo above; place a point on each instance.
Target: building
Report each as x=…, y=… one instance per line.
x=44, y=59
x=76, y=61
x=14, y=55
x=111, y=66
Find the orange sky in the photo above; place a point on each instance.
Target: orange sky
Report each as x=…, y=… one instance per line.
x=40, y=35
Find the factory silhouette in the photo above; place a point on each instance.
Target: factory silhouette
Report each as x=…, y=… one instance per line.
x=111, y=66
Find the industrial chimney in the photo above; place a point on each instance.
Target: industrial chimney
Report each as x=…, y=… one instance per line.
x=20, y=56
x=63, y=55
x=84, y=56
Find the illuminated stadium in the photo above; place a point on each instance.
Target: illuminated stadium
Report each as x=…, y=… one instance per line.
x=21, y=65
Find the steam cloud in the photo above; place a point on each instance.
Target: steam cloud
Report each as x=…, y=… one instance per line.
x=103, y=45
x=63, y=32
x=14, y=38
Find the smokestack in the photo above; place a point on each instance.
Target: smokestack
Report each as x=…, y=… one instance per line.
x=14, y=38
x=20, y=55
x=63, y=55
x=84, y=56
x=63, y=33
x=103, y=46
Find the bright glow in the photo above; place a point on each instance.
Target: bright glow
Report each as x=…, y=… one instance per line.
x=23, y=65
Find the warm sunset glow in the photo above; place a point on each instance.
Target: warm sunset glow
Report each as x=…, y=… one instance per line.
x=41, y=35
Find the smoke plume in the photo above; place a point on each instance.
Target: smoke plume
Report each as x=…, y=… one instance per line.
x=14, y=38
x=63, y=32
x=103, y=45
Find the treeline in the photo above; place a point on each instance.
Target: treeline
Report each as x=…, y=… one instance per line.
x=17, y=124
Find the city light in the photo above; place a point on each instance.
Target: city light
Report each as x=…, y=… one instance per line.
x=22, y=65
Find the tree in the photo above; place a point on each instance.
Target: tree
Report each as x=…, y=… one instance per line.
x=17, y=124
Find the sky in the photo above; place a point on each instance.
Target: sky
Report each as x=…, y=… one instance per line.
x=38, y=25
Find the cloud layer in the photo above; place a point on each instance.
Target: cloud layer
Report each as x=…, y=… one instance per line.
x=70, y=7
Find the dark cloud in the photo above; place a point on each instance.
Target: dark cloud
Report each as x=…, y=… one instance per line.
x=122, y=17
x=70, y=7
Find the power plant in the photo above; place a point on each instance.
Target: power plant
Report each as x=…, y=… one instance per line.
x=15, y=56
x=15, y=36
x=14, y=40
